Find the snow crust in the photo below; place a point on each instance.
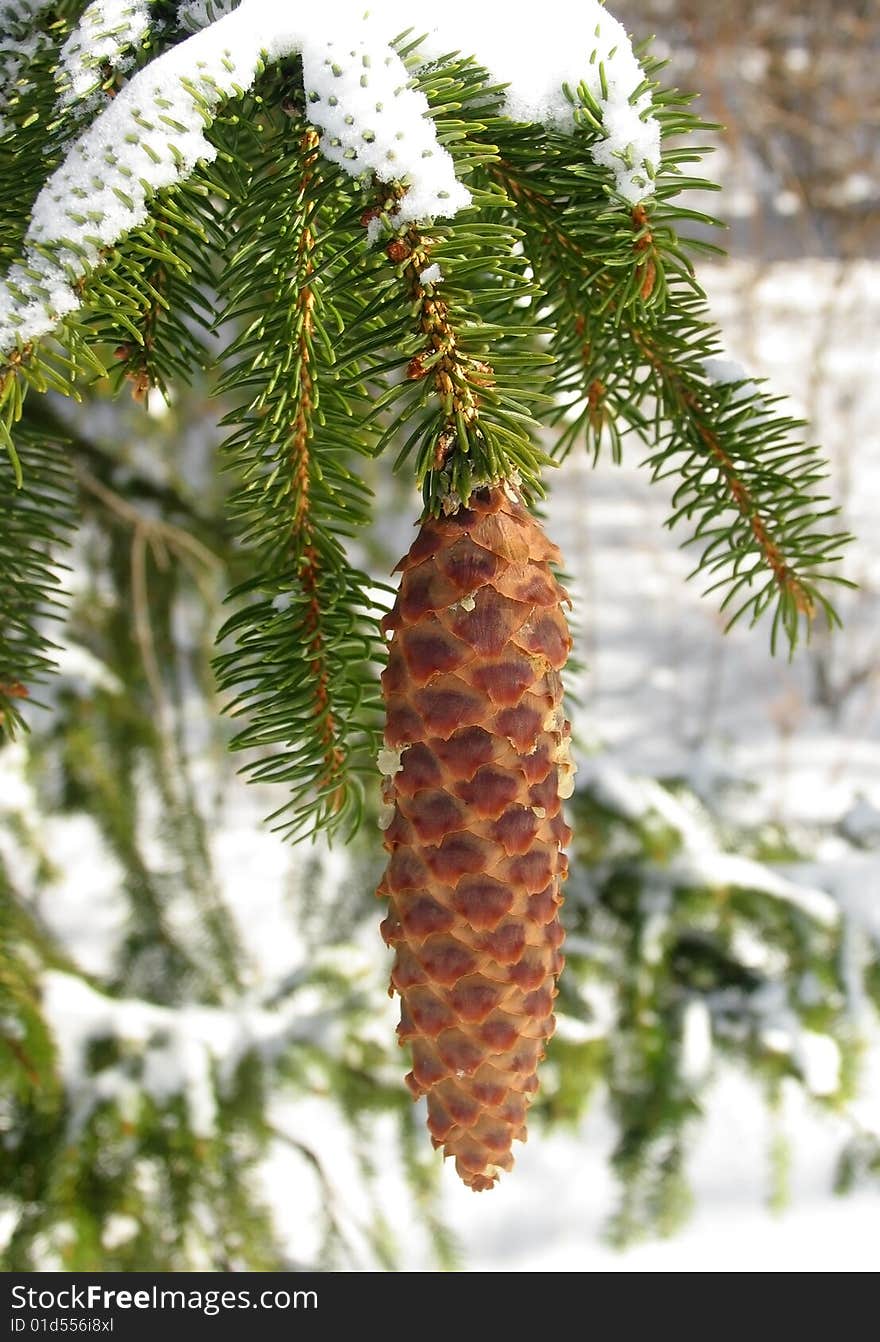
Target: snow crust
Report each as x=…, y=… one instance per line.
x=371, y=121
x=16, y=13
x=103, y=39
x=20, y=44
x=562, y=43
x=696, y=1042
x=723, y=371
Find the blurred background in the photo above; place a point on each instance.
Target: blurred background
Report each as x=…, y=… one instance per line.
x=198, y=1065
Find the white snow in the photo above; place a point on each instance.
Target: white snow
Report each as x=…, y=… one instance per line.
x=119, y=1229
x=15, y=13
x=696, y=1042
x=431, y=275
x=701, y=861
x=358, y=91
x=561, y=43
x=152, y=134
x=9, y=1218
x=149, y=136
x=195, y=14
x=550, y=1214
x=721, y=370
x=17, y=795
x=19, y=47
x=818, y=1057
x=84, y=671
x=102, y=40
x=372, y=122
x=187, y=1051
x=861, y=824
x=73, y=848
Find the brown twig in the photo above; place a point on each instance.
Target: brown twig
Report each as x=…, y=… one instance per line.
x=300, y=461
x=744, y=501
x=22, y=1059
x=456, y=375
x=741, y=496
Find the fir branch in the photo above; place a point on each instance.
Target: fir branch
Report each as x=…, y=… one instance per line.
x=765, y=536
x=632, y=334
x=28, y=58
x=301, y=470
x=164, y=272
x=475, y=373
x=459, y=453
x=34, y=522
x=306, y=635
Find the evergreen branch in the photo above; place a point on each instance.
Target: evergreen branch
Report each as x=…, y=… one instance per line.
x=307, y=637
x=164, y=271
x=34, y=521
x=301, y=470
x=147, y=301
x=768, y=483
x=474, y=370
x=459, y=452
x=632, y=339
x=44, y=128
x=28, y=57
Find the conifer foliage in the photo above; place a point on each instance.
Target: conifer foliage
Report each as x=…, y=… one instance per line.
x=372, y=246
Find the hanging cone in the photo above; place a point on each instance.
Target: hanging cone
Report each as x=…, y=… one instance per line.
x=476, y=763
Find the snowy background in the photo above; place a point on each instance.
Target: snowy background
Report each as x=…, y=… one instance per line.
x=667, y=693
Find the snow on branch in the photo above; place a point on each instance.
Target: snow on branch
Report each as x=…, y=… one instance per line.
x=188, y=1051
x=15, y=14
x=152, y=135
x=701, y=861
x=372, y=123
x=195, y=14
x=20, y=42
x=559, y=45
x=101, y=42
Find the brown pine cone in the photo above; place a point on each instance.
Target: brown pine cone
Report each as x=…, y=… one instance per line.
x=477, y=762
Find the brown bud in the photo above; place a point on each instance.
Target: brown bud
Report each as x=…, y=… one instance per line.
x=15, y=690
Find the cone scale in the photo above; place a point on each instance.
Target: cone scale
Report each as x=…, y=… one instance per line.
x=476, y=763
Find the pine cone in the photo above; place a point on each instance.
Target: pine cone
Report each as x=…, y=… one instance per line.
x=477, y=760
